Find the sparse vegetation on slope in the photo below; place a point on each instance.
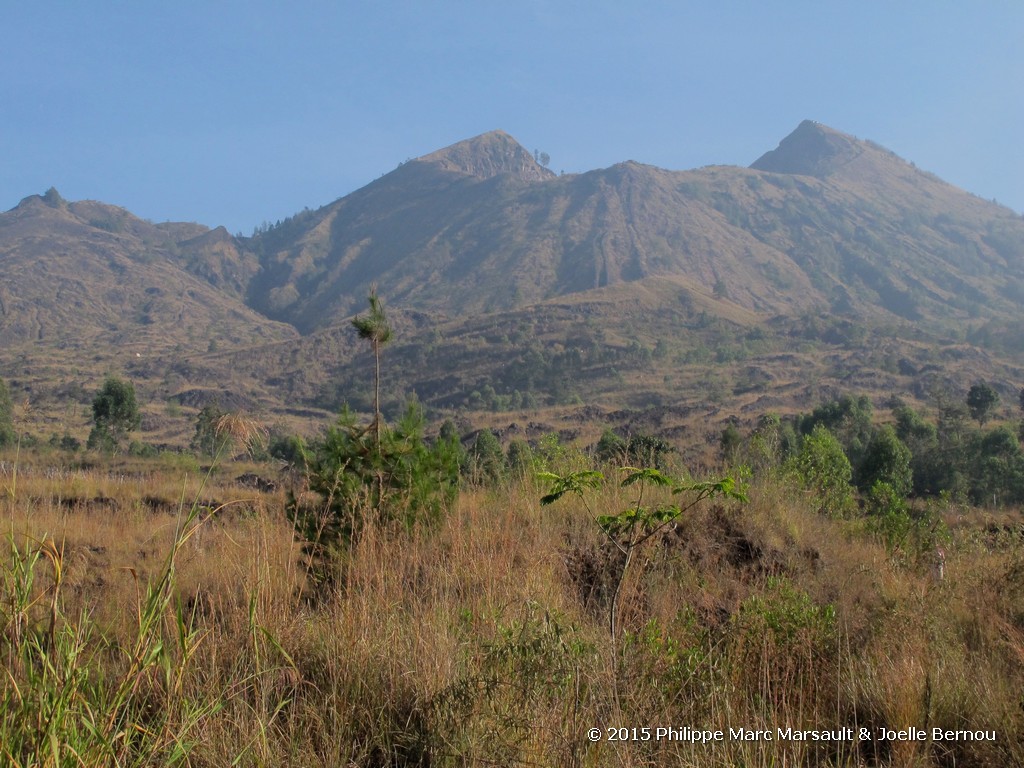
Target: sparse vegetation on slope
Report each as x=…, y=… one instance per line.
x=483, y=639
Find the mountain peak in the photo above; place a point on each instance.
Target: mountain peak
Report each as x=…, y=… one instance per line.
x=813, y=149
x=489, y=154
x=50, y=199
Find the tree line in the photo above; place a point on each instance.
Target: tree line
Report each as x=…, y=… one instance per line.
x=952, y=452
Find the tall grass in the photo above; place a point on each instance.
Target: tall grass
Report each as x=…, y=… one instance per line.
x=483, y=639
x=73, y=695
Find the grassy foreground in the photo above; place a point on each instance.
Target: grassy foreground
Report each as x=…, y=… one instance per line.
x=140, y=628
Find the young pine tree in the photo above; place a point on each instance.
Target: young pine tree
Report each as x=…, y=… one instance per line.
x=375, y=328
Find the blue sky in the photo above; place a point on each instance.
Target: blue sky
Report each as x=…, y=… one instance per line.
x=236, y=113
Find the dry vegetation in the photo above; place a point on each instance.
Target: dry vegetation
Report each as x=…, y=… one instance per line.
x=483, y=640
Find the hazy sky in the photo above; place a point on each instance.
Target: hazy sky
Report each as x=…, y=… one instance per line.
x=238, y=112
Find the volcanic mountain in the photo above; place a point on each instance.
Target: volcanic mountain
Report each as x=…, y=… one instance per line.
x=527, y=281
x=826, y=221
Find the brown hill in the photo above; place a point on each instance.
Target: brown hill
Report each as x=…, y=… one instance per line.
x=90, y=275
x=826, y=221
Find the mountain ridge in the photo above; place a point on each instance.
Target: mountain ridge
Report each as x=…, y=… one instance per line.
x=480, y=225
x=475, y=238
x=827, y=237
x=487, y=155
x=81, y=270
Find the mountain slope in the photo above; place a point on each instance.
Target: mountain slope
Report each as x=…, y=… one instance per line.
x=829, y=264
x=438, y=234
x=87, y=275
x=826, y=221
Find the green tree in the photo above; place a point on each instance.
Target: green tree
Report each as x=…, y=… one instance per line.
x=888, y=515
x=648, y=450
x=449, y=434
x=848, y=418
x=954, y=437
x=289, y=449
x=730, y=443
x=886, y=460
x=822, y=467
x=999, y=471
x=115, y=414
x=610, y=447
x=981, y=401
x=931, y=470
x=208, y=439
x=375, y=328
x=765, y=443
x=1020, y=426
x=487, y=460
x=519, y=458
x=638, y=449
x=7, y=435
x=405, y=479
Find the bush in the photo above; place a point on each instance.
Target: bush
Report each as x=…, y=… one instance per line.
x=784, y=646
x=610, y=448
x=848, y=418
x=208, y=440
x=486, y=459
x=520, y=459
x=640, y=449
x=822, y=468
x=888, y=515
x=115, y=414
x=886, y=460
x=405, y=479
x=288, y=448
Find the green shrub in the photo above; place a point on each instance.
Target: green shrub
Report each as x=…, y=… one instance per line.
x=486, y=460
x=208, y=440
x=400, y=478
x=532, y=664
x=822, y=468
x=784, y=647
x=886, y=460
x=520, y=459
x=115, y=414
x=640, y=449
x=290, y=449
x=888, y=515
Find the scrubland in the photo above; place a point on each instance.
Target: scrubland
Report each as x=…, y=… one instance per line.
x=152, y=614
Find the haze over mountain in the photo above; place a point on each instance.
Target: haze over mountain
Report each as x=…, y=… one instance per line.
x=825, y=226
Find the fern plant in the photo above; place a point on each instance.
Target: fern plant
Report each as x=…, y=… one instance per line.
x=631, y=528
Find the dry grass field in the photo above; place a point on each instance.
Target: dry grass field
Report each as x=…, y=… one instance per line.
x=154, y=615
